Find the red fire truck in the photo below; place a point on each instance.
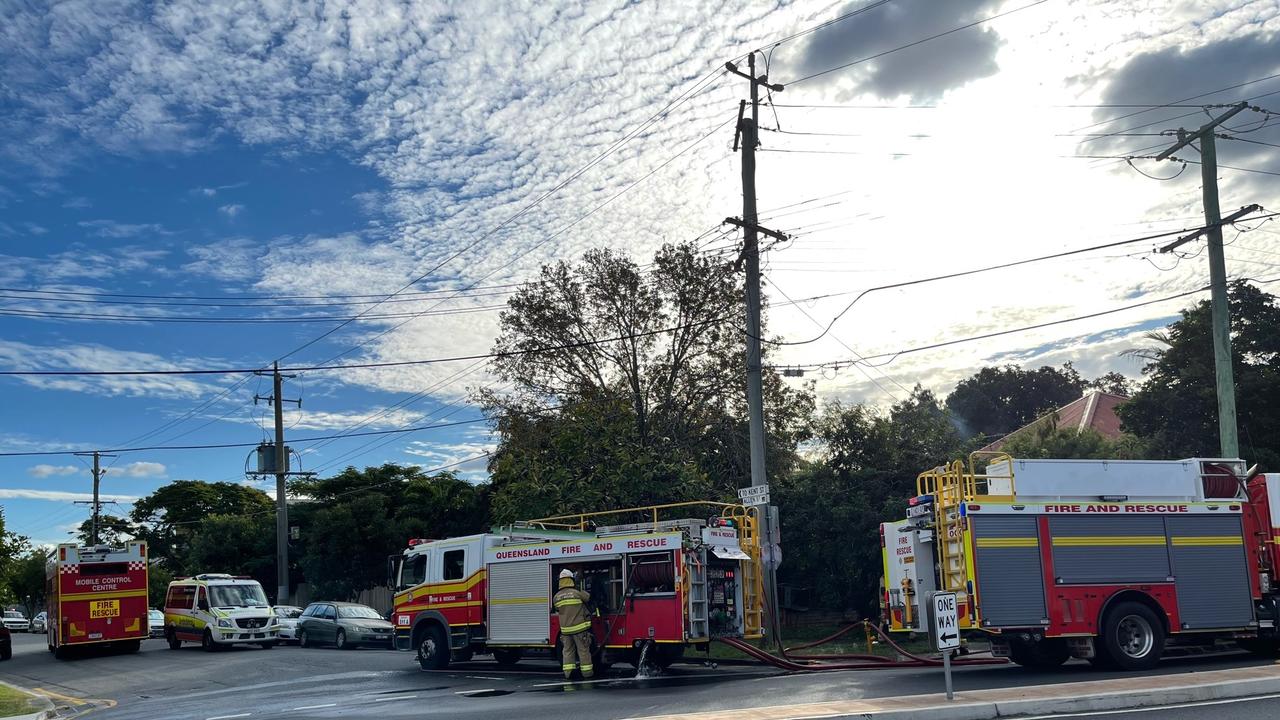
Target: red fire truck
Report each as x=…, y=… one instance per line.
x=657, y=586
x=96, y=595
x=1109, y=560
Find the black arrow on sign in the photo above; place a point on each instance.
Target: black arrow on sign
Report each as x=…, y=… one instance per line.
x=945, y=638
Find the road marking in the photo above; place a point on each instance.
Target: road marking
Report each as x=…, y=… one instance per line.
x=401, y=697
x=1200, y=703
x=316, y=707
x=474, y=692
x=481, y=677
x=228, y=717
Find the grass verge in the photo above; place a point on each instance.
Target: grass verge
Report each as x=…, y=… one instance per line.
x=14, y=702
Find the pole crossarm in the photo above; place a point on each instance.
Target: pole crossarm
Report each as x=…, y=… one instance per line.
x=1246, y=210
x=758, y=228
x=1185, y=139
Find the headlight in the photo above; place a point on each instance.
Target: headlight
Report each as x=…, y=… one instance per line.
x=224, y=623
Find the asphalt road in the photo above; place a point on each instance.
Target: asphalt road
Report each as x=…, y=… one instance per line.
x=290, y=682
x=1239, y=709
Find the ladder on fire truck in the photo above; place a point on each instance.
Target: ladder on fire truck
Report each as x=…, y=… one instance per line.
x=947, y=486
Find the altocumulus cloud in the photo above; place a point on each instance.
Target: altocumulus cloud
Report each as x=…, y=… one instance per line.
x=44, y=470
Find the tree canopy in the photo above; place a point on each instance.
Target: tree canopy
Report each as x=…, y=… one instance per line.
x=996, y=401
x=1176, y=408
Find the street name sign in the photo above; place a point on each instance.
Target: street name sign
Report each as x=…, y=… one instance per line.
x=754, y=495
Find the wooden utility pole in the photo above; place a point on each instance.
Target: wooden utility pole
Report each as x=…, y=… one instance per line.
x=98, y=472
x=748, y=134
x=280, y=468
x=1228, y=440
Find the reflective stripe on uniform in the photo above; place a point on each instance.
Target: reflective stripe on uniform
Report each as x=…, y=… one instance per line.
x=573, y=629
x=568, y=667
x=587, y=668
x=567, y=602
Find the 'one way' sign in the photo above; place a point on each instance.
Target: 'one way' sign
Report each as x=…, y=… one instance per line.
x=946, y=624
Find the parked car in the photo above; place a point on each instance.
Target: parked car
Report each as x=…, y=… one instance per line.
x=40, y=623
x=287, y=618
x=155, y=623
x=16, y=621
x=6, y=643
x=345, y=625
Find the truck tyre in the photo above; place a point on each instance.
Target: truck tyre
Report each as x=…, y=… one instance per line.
x=506, y=657
x=131, y=646
x=6, y=652
x=207, y=643
x=1046, y=654
x=171, y=637
x=1132, y=636
x=433, y=648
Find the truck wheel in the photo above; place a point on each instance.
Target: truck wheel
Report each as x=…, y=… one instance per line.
x=1132, y=636
x=433, y=648
x=1046, y=654
x=506, y=657
x=6, y=652
x=131, y=646
x=207, y=643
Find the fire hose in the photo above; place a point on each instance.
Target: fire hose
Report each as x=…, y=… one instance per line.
x=846, y=661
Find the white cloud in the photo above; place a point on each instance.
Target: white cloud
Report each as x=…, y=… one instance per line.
x=142, y=469
x=59, y=496
x=231, y=210
x=44, y=470
x=114, y=229
x=78, y=203
x=22, y=356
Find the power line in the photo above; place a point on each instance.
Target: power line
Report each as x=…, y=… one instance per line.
x=975, y=271
x=1175, y=103
x=222, y=320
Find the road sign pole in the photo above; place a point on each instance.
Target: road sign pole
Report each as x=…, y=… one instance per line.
x=946, y=672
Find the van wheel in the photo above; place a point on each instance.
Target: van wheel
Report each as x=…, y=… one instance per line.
x=171, y=637
x=268, y=644
x=206, y=642
x=433, y=648
x=506, y=657
x=1133, y=636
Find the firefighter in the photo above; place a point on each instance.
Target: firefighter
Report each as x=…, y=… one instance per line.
x=575, y=626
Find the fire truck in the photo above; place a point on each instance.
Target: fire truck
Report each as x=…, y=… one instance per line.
x=1108, y=560
x=657, y=586
x=96, y=595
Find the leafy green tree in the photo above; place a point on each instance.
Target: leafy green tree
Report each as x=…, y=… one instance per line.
x=26, y=581
x=863, y=474
x=167, y=518
x=1176, y=408
x=1114, y=383
x=352, y=521
x=234, y=544
x=998, y=400
x=659, y=354
x=112, y=530
x=12, y=549
x=158, y=579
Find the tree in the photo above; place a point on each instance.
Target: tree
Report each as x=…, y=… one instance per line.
x=112, y=530
x=12, y=548
x=234, y=544
x=1176, y=408
x=1114, y=383
x=351, y=522
x=26, y=581
x=660, y=355
x=996, y=401
x=167, y=518
x=864, y=474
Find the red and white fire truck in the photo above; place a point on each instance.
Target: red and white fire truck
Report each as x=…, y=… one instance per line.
x=1110, y=560
x=96, y=595
x=657, y=586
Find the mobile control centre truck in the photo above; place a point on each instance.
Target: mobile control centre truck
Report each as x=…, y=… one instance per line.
x=657, y=587
x=96, y=595
x=1109, y=560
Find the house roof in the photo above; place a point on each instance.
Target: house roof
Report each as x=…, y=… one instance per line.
x=1096, y=411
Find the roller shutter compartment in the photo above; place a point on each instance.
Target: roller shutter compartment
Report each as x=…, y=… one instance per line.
x=519, y=603
x=1102, y=549
x=1211, y=570
x=1010, y=577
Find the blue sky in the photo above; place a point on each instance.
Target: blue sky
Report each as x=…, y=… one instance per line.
x=181, y=149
